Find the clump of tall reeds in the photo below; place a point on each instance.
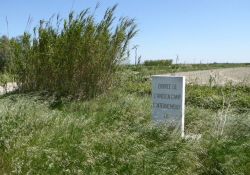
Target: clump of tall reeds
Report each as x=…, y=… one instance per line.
x=78, y=57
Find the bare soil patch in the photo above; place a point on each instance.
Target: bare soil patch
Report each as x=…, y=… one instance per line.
x=239, y=75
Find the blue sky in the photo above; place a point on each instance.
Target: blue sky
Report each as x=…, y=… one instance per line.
x=195, y=30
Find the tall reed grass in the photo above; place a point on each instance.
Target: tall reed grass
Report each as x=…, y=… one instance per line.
x=76, y=56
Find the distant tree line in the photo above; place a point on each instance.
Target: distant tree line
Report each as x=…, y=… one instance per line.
x=166, y=62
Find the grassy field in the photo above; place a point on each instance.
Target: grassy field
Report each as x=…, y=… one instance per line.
x=184, y=67
x=41, y=133
x=78, y=111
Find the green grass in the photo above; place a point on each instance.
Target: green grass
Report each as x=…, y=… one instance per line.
x=4, y=78
x=150, y=70
x=51, y=130
x=113, y=133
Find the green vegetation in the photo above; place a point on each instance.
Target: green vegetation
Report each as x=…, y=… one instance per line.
x=4, y=52
x=80, y=112
x=5, y=78
x=171, y=68
x=216, y=98
x=78, y=58
x=158, y=62
x=113, y=133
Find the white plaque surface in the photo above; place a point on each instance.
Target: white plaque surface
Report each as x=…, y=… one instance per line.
x=168, y=93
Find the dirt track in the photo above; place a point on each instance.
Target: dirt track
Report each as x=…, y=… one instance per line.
x=240, y=75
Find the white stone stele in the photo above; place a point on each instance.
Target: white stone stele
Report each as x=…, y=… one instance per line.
x=168, y=95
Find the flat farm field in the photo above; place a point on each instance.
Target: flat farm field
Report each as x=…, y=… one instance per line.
x=239, y=75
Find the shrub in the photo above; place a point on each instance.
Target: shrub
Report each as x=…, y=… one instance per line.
x=4, y=52
x=219, y=97
x=77, y=58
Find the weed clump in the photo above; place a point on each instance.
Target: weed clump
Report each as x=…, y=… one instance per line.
x=78, y=57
